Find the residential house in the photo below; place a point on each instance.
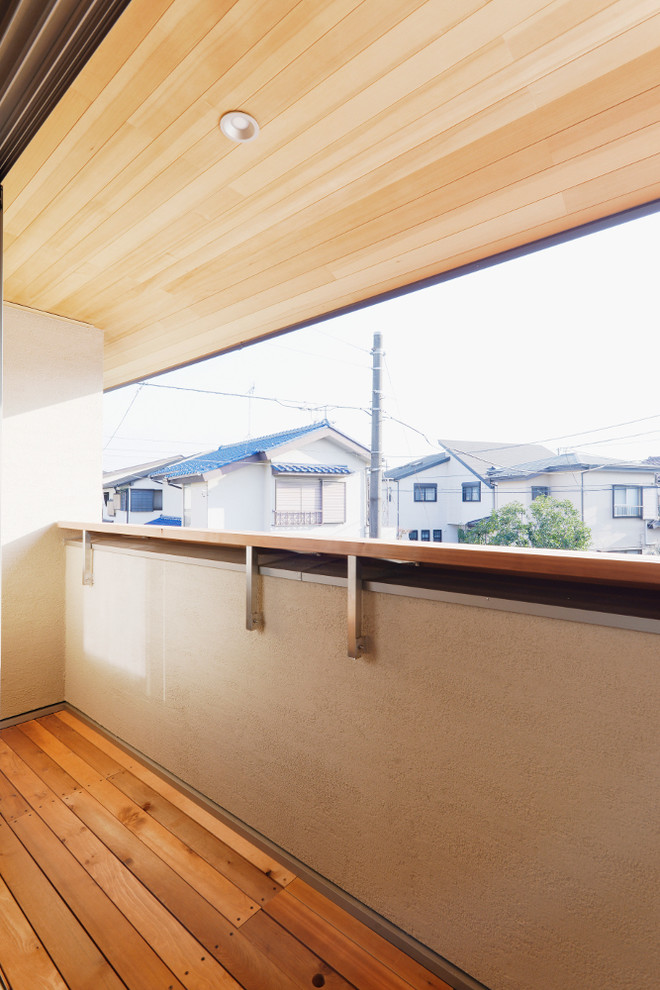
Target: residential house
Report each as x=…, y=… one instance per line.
x=618, y=500
x=431, y=498
x=435, y=496
x=478, y=781
x=134, y=495
x=309, y=479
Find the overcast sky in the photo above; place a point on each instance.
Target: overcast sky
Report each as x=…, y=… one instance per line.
x=556, y=347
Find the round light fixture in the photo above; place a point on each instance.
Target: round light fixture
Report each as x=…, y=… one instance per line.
x=239, y=126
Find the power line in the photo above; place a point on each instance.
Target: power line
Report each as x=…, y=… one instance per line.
x=128, y=409
x=285, y=403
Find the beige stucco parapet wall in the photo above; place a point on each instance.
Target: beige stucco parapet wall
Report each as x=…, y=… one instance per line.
x=483, y=779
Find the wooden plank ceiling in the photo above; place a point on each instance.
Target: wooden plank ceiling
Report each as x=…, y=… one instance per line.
x=399, y=139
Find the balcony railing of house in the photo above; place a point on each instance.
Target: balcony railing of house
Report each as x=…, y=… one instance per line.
x=439, y=733
x=297, y=518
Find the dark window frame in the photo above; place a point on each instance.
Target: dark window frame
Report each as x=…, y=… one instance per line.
x=540, y=490
x=639, y=507
x=469, y=488
x=422, y=490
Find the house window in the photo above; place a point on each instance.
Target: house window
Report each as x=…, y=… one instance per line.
x=146, y=500
x=309, y=501
x=425, y=493
x=413, y=534
x=627, y=501
x=472, y=491
x=538, y=490
x=437, y=536
x=426, y=535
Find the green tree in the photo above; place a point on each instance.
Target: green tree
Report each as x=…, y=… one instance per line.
x=548, y=523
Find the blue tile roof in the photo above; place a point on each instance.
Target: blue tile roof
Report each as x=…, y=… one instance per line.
x=164, y=521
x=311, y=469
x=232, y=452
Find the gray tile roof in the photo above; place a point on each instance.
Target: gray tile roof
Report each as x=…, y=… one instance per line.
x=414, y=467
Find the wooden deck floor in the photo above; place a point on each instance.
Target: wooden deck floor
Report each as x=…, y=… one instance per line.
x=112, y=878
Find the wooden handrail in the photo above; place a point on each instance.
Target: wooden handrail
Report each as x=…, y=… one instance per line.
x=560, y=565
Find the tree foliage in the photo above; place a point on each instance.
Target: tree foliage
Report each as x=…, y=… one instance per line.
x=548, y=523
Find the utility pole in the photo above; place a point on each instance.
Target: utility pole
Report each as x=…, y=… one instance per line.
x=375, y=479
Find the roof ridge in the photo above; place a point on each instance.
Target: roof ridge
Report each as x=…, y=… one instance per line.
x=299, y=430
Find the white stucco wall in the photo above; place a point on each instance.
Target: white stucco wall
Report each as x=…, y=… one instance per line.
x=485, y=780
x=51, y=470
x=238, y=499
x=243, y=498
x=591, y=495
x=449, y=512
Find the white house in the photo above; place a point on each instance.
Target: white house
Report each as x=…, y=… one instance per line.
x=618, y=500
x=311, y=479
x=133, y=495
x=433, y=497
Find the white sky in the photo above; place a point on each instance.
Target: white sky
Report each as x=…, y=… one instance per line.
x=554, y=343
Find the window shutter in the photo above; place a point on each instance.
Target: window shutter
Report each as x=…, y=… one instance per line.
x=334, y=501
x=297, y=495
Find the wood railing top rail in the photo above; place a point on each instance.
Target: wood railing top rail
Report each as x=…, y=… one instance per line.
x=561, y=565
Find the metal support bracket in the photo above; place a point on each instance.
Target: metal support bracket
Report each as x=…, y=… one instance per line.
x=253, y=618
x=88, y=559
x=356, y=642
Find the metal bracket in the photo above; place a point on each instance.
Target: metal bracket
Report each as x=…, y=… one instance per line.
x=253, y=618
x=88, y=559
x=356, y=642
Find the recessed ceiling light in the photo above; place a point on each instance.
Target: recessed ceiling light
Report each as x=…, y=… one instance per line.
x=239, y=126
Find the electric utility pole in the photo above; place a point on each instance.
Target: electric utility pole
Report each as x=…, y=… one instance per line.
x=375, y=479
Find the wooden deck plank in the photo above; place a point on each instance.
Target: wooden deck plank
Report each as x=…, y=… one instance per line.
x=291, y=955
x=340, y=952
x=263, y=862
x=128, y=953
x=94, y=901
x=24, y=963
x=185, y=956
x=373, y=943
x=226, y=861
x=237, y=954
x=69, y=946
x=232, y=902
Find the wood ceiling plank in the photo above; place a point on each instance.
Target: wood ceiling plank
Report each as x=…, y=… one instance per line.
x=88, y=152
x=134, y=66
x=551, y=24
x=41, y=156
x=117, y=227
x=384, y=144
x=522, y=178
x=122, y=365
x=153, y=243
